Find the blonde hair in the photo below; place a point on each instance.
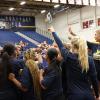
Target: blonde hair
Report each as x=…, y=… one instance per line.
x=34, y=70
x=29, y=54
x=81, y=45
x=97, y=31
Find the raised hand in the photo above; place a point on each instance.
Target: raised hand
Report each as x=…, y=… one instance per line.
x=51, y=29
x=71, y=32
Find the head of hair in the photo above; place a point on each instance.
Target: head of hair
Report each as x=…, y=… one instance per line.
x=10, y=49
x=98, y=31
x=29, y=54
x=52, y=54
x=81, y=46
x=34, y=70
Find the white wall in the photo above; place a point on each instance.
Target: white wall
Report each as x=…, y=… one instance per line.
x=73, y=18
x=40, y=22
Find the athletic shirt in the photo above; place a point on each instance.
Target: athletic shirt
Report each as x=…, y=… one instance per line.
x=7, y=91
x=93, y=46
x=27, y=81
x=52, y=81
x=77, y=80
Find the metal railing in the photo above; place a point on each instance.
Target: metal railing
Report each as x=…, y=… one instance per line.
x=44, y=33
x=47, y=34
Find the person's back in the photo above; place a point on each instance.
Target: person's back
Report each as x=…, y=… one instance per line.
x=51, y=79
x=16, y=66
x=53, y=74
x=80, y=70
x=78, y=81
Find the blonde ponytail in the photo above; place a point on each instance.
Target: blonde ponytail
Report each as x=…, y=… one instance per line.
x=81, y=46
x=34, y=70
x=83, y=55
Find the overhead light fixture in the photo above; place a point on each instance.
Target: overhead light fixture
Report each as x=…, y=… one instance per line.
x=43, y=11
x=56, y=6
x=22, y=3
x=11, y=9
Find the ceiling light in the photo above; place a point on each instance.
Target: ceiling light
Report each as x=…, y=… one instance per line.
x=56, y=6
x=10, y=9
x=22, y=3
x=43, y=11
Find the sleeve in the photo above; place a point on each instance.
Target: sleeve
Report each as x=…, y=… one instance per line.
x=89, y=44
x=26, y=78
x=93, y=77
x=48, y=79
x=64, y=51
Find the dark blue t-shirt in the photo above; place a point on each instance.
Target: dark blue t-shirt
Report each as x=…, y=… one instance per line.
x=7, y=89
x=27, y=81
x=52, y=82
x=77, y=80
x=93, y=46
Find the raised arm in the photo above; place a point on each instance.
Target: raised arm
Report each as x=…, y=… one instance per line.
x=64, y=51
x=71, y=32
x=16, y=82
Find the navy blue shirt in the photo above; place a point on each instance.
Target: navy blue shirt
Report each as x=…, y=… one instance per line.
x=93, y=46
x=77, y=81
x=7, y=91
x=27, y=81
x=52, y=81
x=16, y=66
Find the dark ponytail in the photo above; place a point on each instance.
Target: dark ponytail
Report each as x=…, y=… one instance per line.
x=5, y=57
x=5, y=66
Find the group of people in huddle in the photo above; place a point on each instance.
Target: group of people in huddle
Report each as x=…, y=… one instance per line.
x=51, y=72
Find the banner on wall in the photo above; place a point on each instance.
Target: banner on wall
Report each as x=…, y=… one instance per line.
x=91, y=23
x=18, y=21
x=85, y=24
x=98, y=21
x=49, y=17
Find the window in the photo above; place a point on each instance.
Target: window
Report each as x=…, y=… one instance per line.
x=79, y=2
x=71, y=1
x=85, y=2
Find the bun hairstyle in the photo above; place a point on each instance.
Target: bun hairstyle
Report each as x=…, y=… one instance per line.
x=52, y=53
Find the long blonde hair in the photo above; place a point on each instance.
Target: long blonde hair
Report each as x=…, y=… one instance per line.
x=81, y=45
x=29, y=54
x=34, y=70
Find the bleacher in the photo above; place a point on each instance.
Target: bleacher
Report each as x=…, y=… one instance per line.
x=36, y=36
x=11, y=37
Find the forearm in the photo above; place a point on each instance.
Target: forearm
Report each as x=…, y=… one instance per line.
x=41, y=79
x=57, y=40
x=64, y=51
x=19, y=85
